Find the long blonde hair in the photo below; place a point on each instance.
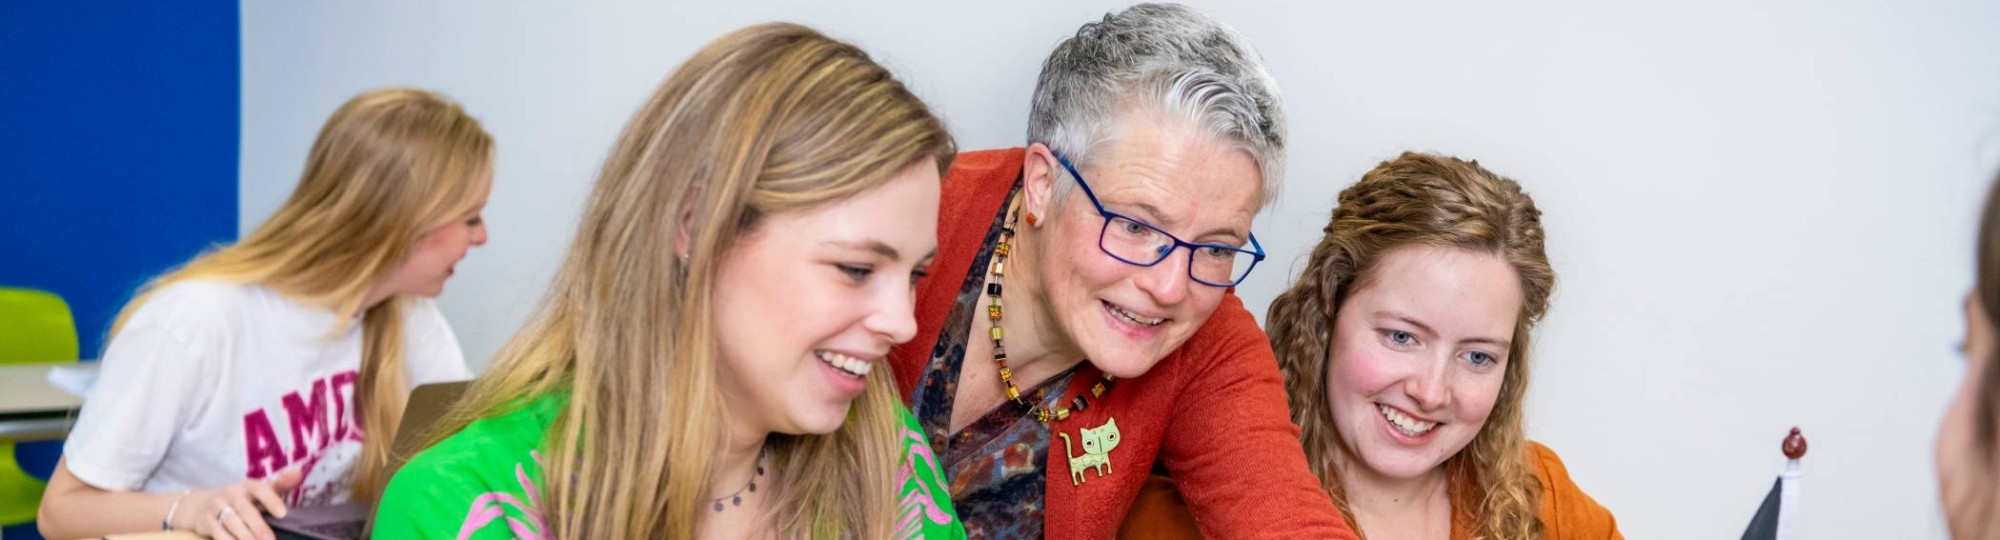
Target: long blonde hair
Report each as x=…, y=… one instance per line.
x=1422, y=199
x=771, y=118
x=388, y=166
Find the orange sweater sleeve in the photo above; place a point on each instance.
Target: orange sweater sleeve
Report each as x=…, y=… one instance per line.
x=1232, y=447
x=1568, y=513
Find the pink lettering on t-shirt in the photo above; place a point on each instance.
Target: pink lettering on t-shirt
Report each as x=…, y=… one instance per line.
x=308, y=419
x=314, y=427
x=343, y=394
x=261, y=445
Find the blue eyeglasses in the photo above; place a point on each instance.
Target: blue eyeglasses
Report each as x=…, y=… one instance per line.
x=1139, y=243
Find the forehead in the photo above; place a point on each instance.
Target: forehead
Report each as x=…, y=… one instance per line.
x=1457, y=292
x=1193, y=179
x=901, y=212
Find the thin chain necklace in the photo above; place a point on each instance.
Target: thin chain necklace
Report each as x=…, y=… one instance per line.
x=1001, y=250
x=736, y=499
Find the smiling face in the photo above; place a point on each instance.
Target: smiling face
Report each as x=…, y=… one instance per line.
x=1122, y=317
x=1418, y=355
x=436, y=255
x=809, y=302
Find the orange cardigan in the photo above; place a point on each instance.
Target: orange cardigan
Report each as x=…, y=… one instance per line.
x=1213, y=411
x=1567, y=513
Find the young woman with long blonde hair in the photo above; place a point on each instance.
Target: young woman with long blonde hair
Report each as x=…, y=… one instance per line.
x=271, y=373
x=1405, y=351
x=704, y=362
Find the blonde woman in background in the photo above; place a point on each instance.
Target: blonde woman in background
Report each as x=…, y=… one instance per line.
x=270, y=374
x=1405, y=351
x=706, y=361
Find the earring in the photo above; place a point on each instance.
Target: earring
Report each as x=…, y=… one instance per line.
x=1031, y=220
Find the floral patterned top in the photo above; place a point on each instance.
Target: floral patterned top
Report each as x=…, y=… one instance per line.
x=484, y=482
x=997, y=466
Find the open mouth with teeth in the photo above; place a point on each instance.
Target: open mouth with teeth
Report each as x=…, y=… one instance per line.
x=1133, y=318
x=1403, y=423
x=849, y=365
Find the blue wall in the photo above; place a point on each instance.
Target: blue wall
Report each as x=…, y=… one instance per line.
x=118, y=142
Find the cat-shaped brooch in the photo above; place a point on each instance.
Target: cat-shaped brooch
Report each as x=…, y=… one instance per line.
x=1097, y=444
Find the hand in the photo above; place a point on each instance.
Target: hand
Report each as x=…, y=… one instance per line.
x=232, y=512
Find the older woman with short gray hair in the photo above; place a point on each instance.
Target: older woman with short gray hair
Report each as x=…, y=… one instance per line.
x=1106, y=321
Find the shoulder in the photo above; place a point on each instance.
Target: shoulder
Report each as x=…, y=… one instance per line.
x=432, y=349
x=491, y=468
x=1566, y=511
x=423, y=315
x=509, y=434
x=197, y=302
x=1231, y=322
x=199, y=317
x=977, y=181
x=997, y=163
x=490, y=446
x=1230, y=337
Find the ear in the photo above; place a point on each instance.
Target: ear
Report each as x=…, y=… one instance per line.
x=1039, y=171
x=684, y=228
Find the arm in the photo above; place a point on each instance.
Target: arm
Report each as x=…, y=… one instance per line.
x=165, y=356
x=73, y=509
x=1232, y=446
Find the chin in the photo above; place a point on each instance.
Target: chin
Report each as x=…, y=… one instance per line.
x=823, y=422
x=1401, y=465
x=1126, y=360
x=1124, y=368
x=428, y=292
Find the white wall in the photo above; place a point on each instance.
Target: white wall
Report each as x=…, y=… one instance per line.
x=1760, y=214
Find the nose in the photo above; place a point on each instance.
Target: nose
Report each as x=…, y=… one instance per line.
x=1166, y=282
x=895, y=316
x=1431, y=385
x=479, y=234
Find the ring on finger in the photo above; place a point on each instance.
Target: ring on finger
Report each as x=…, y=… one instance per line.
x=225, y=512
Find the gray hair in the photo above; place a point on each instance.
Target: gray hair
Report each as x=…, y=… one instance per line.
x=1169, y=57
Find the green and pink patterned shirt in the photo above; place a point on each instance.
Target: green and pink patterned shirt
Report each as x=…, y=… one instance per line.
x=484, y=482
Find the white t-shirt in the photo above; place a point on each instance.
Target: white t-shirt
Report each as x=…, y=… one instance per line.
x=208, y=384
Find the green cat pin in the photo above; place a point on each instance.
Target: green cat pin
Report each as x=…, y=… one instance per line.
x=1097, y=444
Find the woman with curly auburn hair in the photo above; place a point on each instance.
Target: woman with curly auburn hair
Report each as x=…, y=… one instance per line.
x=1405, y=351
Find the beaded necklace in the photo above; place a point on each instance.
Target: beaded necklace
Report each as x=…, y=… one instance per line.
x=736, y=499
x=1001, y=250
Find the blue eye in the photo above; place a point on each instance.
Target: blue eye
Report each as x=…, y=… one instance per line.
x=1399, y=337
x=1480, y=358
x=856, y=273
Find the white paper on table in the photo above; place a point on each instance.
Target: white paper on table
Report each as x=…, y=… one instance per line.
x=73, y=380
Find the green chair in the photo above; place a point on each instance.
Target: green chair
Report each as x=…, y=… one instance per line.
x=35, y=326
